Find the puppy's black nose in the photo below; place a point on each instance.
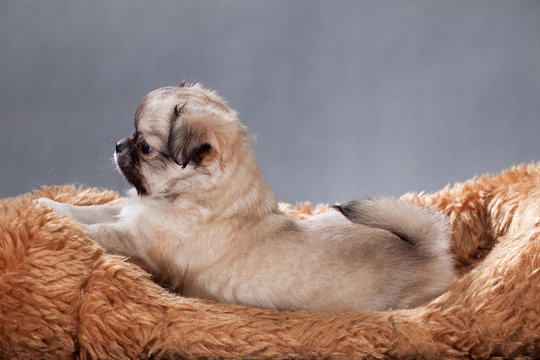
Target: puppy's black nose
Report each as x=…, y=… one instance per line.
x=120, y=146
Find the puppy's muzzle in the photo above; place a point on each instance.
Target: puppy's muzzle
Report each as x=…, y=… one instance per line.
x=120, y=146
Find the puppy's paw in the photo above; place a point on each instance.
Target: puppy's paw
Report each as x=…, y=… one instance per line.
x=55, y=205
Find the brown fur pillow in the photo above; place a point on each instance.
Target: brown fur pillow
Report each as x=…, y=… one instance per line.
x=62, y=297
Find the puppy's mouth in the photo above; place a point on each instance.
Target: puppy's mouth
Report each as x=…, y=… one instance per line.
x=127, y=161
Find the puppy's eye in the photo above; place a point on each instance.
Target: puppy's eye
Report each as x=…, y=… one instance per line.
x=145, y=148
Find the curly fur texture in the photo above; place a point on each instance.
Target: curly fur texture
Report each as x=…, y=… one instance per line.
x=63, y=297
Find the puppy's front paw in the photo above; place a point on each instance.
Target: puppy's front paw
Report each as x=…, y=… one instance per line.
x=55, y=205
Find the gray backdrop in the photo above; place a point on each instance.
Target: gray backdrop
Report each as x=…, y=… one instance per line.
x=346, y=98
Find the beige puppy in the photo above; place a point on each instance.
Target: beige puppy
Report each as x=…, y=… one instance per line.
x=206, y=223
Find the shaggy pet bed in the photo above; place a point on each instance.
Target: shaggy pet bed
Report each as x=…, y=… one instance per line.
x=63, y=297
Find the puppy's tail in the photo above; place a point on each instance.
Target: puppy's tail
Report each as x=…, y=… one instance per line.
x=421, y=227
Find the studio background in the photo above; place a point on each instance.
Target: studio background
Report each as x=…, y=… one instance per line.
x=345, y=98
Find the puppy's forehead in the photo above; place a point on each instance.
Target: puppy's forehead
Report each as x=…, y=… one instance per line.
x=157, y=107
x=154, y=109
x=154, y=104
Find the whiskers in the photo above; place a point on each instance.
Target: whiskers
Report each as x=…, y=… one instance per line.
x=49, y=174
x=30, y=184
x=107, y=168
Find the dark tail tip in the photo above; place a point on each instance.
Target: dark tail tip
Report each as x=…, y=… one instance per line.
x=357, y=212
x=348, y=209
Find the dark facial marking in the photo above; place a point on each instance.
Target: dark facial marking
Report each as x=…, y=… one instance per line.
x=177, y=111
x=129, y=164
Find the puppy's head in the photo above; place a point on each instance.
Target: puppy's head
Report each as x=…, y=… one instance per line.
x=184, y=137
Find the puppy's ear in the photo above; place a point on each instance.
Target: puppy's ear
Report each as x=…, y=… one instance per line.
x=196, y=154
x=188, y=141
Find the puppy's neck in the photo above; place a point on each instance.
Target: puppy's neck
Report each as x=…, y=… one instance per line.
x=249, y=195
x=244, y=193
x=241, y=194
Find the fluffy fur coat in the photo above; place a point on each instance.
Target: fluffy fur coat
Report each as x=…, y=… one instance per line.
x=62, y=297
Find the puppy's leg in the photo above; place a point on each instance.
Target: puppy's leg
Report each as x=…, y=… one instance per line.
x=116, y=238
x=102, y=225
x=92, y=214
